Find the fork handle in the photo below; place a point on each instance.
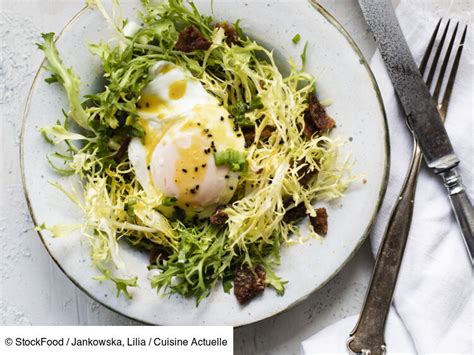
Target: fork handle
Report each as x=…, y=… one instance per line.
x=462, y=208
x=368, y=335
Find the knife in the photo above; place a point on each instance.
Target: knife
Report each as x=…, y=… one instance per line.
x=420, y=109
x=421, y=112
x=425, y=123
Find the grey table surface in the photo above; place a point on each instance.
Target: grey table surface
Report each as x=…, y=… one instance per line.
x=34, y=291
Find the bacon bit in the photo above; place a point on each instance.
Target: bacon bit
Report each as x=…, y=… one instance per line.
x=305, y=174
x=294, y=214
x=320, y=222
x=232, y=37
x=122, y=150
x=219, y=217
x=249, y=133
x=248, y=283
x=191, y=39
x=315, y=117
x=158, y=252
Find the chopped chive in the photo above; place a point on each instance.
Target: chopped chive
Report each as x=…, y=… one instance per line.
x=236, y=160
x=169, y=201
x=303, y=55
x=296, y=38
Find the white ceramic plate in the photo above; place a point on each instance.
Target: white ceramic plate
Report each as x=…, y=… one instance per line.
x=343, y=76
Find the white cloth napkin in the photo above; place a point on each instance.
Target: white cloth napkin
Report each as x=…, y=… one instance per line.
x=432, y=309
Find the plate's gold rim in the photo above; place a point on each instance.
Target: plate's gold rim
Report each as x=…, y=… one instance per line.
x=332, y=20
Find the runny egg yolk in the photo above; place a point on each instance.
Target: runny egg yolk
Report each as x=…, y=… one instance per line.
x=150, y=103
x=191, y=168
x=182, y=163
x=151, y=139
x=177, y=89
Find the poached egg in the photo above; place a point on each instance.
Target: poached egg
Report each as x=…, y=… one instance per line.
x=184, y=125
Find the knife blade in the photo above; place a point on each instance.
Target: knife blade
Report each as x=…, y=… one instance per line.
x=420, y=109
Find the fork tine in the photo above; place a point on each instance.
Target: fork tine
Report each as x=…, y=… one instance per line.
x=426, y=56
x=436, y=58
x=452, y=75
x=444, y=65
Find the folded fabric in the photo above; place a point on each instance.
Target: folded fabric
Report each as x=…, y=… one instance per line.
x=432, y=308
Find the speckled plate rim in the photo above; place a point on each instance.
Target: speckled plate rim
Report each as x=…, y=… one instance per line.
x=386, y=168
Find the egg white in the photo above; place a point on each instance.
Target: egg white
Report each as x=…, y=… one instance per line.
x=165, y=75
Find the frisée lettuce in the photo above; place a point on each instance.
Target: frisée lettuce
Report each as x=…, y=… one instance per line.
x=91, y=144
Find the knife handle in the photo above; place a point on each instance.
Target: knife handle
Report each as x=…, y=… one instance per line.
x=368, y=335
x=462, y=207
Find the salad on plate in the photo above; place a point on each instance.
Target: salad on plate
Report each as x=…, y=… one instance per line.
x=198, y=151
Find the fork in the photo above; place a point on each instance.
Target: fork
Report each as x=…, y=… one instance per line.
x=368, y=335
